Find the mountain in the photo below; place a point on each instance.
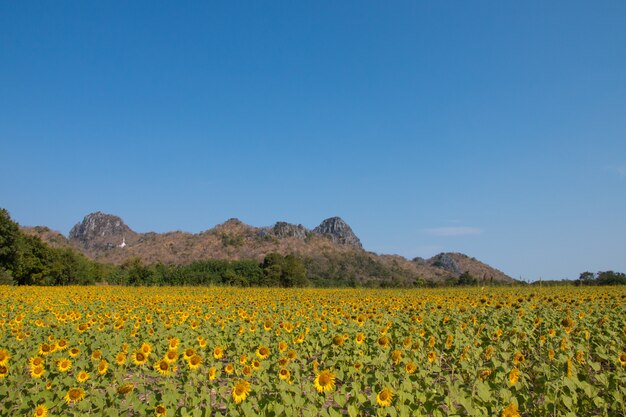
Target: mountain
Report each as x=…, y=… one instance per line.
x=331, y=250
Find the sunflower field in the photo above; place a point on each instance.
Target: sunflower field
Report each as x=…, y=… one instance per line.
x=120, y=351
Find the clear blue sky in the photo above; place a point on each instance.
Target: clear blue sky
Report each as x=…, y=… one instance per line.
x=497, y=129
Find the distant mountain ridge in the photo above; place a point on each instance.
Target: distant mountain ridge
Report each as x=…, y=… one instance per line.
x=331, y=249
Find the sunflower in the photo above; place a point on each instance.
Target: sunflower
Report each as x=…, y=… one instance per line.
x=410, y=368
x=4, y=371
x=45, y=349
x=229, y=368
x=284, y=374
x=256, y=365
x=64, y=365
x=171, y=356
x=247, y=370
x=120, y=359
x=41, y=411
x=449, y=342
x=82, y=376
x=551, y=354
x=96, y=354
x=489, y=352
x=432, y=356
x=4, y=356
x=518, y=358
x=74, y=395
x=188, y=353
x=580, y=357
x=325, y=381
x=338, y=340
x=622, y=359
x=291, y=355
x=194, y=362
x=174, y=342
x=384, y=397
x=212, y=373
x=514, y=376
x=396, y=356
x=103, y=366
x=35, y=361
x=146, y=348
x=431, y=342
x=139, y=358
x=282, y=346
x=125, y=388
x=37, y=371
x=74, y=352
x=510, y=411
x=218, y=352
x=160, y=411
x=164, y=367
x=484, y=374
x=359, y=339
x=263, y=352
x=358, y=366
x=383, y=342
x=240, y=391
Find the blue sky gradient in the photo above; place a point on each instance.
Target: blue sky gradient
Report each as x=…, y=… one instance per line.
x=497, y=129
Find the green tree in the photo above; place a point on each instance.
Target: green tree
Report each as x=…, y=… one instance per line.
x=9, y=245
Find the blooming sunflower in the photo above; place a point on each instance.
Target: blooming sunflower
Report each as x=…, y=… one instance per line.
x=622, y=359
x=164, y=367
x=284, y=374
x=282, y=346
x=74, y=352
x=229, y=368
x=188, y=353
x=263, y=352
x=396, y=356
x=41, y=411
x=325, y=381
x=432, y=356
x=359, y=339
x=139, y=358
x=514, y=376
x=4, y=371
x=218, y=352
x=120, y=359
x=384, y=397
x=510, y=411
x=64, y=365
x=102, y=367
x=241, y=391
x=160, y=411
x=194, y=362
x=36, y=361
x=82, y=376
x=37, y=371
x=4, y=356
x=212, y=373
x=74, y=395
x=171, y=355
x=410, y=368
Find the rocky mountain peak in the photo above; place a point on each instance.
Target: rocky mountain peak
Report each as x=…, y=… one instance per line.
x=284, y=229
x=338, y=231
x=101, y=231
x=445, y=261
